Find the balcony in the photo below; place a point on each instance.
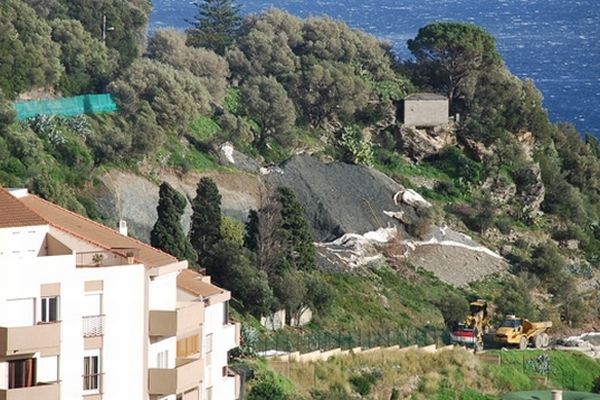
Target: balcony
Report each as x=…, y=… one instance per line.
x=93, y=325
x=185, y=319
x=187, y=375
x=45, y=391
x=43, y=338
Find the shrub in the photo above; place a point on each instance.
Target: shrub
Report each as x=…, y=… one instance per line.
x=365, y=380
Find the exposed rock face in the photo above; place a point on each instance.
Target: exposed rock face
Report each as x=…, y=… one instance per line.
x=423, y=143
x=341, y=198
x=134, y=198
x=229, y=156
x=533, y=195
x=501, y=189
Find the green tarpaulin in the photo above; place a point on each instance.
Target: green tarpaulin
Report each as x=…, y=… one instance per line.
x=68, y=106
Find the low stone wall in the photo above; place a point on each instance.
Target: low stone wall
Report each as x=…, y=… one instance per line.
x=326, y=355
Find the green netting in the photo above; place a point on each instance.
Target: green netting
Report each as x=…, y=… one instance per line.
x=68, y=106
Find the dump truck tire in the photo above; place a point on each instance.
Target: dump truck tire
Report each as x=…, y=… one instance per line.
x=546, y=341
x=478, y=347
x=538, y=341
x=523, y=343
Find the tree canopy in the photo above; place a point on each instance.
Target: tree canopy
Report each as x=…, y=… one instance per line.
x=215, y=25
x=457, y=51
x=167, y=233
x=205, y=228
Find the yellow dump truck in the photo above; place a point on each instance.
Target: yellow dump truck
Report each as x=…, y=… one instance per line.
x=521, y=332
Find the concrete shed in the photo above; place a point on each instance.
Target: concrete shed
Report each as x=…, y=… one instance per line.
x=424, y=110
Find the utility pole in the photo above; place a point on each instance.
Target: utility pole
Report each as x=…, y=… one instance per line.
x=105, y=29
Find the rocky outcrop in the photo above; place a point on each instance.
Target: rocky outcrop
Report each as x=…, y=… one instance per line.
x=532, y=195
x=124, y=195
x=502, y=190
x=423, y=143
x=229, y=156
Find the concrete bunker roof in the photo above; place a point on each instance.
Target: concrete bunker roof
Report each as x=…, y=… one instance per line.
x=425, y=96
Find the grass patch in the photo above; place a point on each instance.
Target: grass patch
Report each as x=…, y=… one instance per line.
x=445, y=375
x=382, y=299
x=204, y=128
x=186, y=158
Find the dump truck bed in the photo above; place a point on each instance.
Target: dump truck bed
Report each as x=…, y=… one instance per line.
x=535, y=328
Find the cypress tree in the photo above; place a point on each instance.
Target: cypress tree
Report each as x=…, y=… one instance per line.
x=167, y=233
x=251, y=237
x=215, y=26
x=205, y=229
x=296, y=231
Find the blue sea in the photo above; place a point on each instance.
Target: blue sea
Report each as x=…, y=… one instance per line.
x=554, y=42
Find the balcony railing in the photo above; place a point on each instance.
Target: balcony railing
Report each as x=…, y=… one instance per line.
x=93, y=325
x=92, y=383
x=185, y=319
x=46, y=391
x=187, y=375
x=100, y=259
x=30, y=339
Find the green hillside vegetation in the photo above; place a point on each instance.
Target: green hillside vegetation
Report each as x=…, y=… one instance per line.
x=273, y=84
x=446, y=375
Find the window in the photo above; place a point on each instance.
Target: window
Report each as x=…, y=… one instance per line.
x=162, y=359
x=209, y=343
x=21, y=373
x=91, y=372
x=226, y=313
x=49, y=309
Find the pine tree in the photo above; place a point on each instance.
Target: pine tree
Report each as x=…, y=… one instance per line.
x=205, y=229
x=297, y=233
x=167, y=233
x=215, y=26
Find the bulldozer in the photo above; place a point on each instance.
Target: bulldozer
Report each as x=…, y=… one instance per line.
x=520, y=332
x=470, y=332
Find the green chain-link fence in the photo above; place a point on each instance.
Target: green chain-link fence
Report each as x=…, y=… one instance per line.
x=305, y=342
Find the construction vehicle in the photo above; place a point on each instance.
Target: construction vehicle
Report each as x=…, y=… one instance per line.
x=470, y=332
x=521, y=332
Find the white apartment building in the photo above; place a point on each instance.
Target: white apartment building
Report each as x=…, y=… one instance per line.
x=89, y=313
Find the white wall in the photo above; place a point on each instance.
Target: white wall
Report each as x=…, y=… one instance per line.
x=123, y=304
x=124, y=338
x=47, y=369
x=163, y=293
x=22, y=242
x=223, y=338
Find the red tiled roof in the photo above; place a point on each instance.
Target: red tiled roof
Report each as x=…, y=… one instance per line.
x=191, y=281
x=94, y=232
x=13, y=213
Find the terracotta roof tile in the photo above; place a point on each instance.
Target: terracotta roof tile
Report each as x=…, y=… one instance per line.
x=95, y=232
x=13, y=213
x=191, y=281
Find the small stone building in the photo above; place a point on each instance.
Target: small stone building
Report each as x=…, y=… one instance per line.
x=425, y=110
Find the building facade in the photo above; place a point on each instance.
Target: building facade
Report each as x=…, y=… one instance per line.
x=425, y=110
x=89, y=313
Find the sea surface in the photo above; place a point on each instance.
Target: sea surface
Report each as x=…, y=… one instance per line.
x=554, y=42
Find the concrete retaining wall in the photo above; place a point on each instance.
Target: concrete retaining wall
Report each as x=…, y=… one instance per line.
x=326, y=355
